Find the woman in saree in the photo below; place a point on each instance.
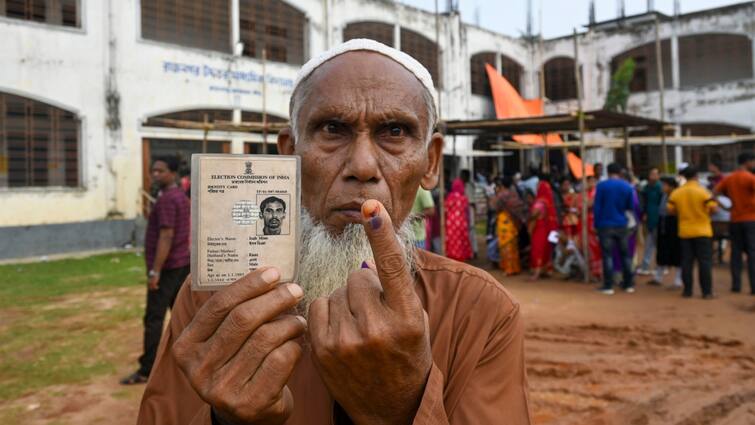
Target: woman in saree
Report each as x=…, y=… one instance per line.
x=569, y=215
x=511, y=213
x=543, y=220
x=457, y=231
x=593, y=243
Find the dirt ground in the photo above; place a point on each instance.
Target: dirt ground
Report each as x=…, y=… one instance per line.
x=644, y=358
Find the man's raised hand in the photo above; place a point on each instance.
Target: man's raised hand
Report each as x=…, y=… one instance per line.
x=370, y=338
x=240, y=349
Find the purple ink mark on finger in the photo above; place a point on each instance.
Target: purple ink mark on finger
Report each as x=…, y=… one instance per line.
x=376, y=222
x=365, y=265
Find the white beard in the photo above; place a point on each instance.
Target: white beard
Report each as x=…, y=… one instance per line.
x=325, y=260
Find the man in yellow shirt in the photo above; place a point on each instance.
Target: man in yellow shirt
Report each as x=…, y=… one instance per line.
x=693, y=204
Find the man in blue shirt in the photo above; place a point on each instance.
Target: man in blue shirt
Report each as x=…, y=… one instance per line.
x=613, y=199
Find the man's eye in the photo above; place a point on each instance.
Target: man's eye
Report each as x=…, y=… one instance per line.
x=396, y=131
x=332, y=127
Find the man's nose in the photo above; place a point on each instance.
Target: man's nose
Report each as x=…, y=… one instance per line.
x=362, y=163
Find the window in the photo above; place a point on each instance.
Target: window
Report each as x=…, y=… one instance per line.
x=701, y=57
x=54, y=12
x=422, y=49
x=275, y=26
x=251, y=116
x=377, y=31
x=203, y=24
x=39, y=144
x=510, y=69
x=559, y=79
x=257, y=148
x=646, y=66
x=480, y=83
x=198, y=116
x=195, y=115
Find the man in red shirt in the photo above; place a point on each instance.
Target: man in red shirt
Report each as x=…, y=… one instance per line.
x=739, y=186
x=166, y=249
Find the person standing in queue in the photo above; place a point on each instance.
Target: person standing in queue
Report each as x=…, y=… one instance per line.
x=693, y=204
x=166, y=248
x=739, y=186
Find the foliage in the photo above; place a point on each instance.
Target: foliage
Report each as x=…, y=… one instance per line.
x=618, y=94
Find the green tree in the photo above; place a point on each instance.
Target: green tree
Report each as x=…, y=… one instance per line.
x=618, y=95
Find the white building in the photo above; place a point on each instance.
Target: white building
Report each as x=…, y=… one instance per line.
x=81, y=82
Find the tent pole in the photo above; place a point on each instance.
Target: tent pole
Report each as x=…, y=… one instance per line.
x=442, y=189
x=580, y=112
x=628, y=152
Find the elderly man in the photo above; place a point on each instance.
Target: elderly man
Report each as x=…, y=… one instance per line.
x=392, y=335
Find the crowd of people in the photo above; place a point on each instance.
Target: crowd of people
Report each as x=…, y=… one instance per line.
x=664, y=224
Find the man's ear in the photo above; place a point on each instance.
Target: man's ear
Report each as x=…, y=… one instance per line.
x=434, y=157
x=286, y=142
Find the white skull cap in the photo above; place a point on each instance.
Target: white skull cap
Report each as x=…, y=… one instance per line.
x=400, y=57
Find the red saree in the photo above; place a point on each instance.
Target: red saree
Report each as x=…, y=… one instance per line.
x=457, y=231
x=544, y=220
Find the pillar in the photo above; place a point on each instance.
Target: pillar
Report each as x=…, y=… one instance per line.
x=675, y=71
x=236, y=47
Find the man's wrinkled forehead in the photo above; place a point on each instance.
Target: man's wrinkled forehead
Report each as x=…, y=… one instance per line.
x=366, y=80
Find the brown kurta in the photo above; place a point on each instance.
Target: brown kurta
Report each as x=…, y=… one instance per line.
x=478, y=375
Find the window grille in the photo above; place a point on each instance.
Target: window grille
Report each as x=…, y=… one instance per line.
x=378, y=31
x=253, y=116
x=275, y=26
x=195, y=115
x=510, y=69
x=39, y=144
x=203, y=24
x=701, y=57
x=54, y=12
x=478, y=76
x=559, y=79
x=646, y=67
x=422, y=49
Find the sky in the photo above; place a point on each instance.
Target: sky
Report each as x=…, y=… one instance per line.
x=559, y=17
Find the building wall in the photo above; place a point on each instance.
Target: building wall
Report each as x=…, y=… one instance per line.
x=79, y=69
x=38, y=61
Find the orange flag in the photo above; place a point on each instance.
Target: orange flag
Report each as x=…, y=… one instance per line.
x=575, y=165
x=509, y=104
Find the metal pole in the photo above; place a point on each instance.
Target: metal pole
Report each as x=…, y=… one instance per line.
x=264, y=101
x=581, y=116
x=661, y=87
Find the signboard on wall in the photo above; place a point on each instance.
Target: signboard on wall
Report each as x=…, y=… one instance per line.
x=249, y=82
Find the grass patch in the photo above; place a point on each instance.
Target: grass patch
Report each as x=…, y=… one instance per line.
x=58, y=319
x=38, y=283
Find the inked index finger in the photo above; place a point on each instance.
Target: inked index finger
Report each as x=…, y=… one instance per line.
x=390, y=261
x=213, y=312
